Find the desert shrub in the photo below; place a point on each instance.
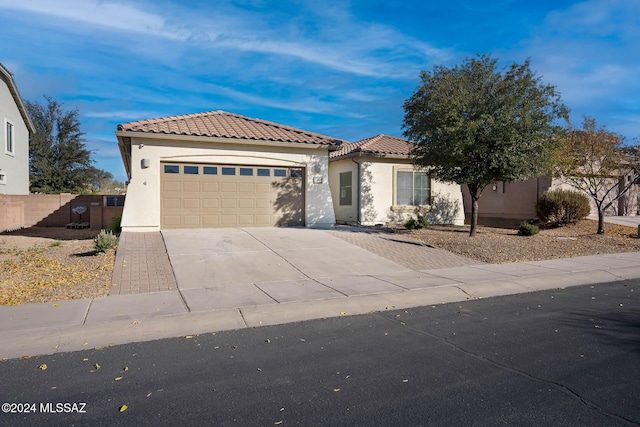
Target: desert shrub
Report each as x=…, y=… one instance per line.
x=114, y=227
x=561, y=207
x=527, y=229
x=105, y=240
x=416, y=223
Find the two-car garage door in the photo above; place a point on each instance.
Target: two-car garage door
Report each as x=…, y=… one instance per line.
x=215, y=195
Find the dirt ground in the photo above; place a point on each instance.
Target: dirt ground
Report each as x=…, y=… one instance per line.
x=50, y=264
x=497, y=244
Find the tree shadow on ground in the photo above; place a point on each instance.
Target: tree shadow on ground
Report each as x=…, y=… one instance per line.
x=56, y=233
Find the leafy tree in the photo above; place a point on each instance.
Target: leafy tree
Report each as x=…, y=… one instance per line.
x=594, y=161
x=473, y=124
x=59, y=161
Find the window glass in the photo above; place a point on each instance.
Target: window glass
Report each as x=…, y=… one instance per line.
x=210, y=170
x=246, y=171
x=405, y=188
x=9, y=145
x=346, y=188
x=413, y=188
x=421, y=190
x=191, y=170
x=295, y=173
x=264, y=172
x=171, y=169
x=279, y=172
x=228, y=171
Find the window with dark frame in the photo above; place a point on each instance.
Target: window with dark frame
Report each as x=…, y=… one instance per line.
x=264, y=172
x=346, y=188
x=171, y=169
x=210, y=170
x=413, y=188
x=191, y=170
x=280, y=172
x=246, y=171
x=9, y=137
x=228, y=171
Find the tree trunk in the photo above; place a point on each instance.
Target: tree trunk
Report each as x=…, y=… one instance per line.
x=600, y=220
x=474, y=213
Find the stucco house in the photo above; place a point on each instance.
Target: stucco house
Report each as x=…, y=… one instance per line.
x=517, y=200
x=16, y=128
x=218, y=169
x=373, y=181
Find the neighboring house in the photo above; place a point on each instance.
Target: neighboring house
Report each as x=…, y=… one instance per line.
x=517, y=200
x=14, y=136
x=218, y=169
x=373, y=181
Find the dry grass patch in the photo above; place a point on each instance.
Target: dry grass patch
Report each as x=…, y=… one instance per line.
x=52, y=264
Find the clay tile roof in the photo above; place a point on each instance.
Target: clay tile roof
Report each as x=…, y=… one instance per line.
x=384, y=145
x=220, y=124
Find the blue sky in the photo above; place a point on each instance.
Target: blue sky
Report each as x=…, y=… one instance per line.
x=341, y=68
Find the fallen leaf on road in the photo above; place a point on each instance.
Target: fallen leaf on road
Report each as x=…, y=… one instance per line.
x=123, y=408
x=42, y=367
x=96, y=366
x=118, y=378
x=336, y=390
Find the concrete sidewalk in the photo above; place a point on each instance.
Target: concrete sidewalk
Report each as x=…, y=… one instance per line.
x=307, y=292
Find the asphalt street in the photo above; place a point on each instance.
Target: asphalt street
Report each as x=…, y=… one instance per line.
x=566, y=357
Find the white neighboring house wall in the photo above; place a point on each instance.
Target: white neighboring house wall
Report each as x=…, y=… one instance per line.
x=14, y=137
x=374, y=194
x=142, y=208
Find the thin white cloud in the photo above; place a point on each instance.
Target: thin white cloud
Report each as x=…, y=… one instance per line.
x=111, y=15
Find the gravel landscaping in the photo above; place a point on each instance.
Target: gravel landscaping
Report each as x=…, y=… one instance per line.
x=501, y=243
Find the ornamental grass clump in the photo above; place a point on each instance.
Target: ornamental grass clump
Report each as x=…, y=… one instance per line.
x=527, y=229
x=562, y=207
x=105, y=240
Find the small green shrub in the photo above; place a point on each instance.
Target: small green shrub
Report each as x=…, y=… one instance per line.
x=56, y=244
x=114, y=227
x=105, y=240
x=527, y=229
x=416, y=223
x=561, y=207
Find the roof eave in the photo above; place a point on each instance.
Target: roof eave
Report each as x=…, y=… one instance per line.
x=15, y=94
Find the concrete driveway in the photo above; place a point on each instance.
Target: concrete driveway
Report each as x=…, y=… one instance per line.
x=235, y=267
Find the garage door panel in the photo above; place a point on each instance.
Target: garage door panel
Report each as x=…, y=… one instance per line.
x=210, y=203
x=191, y=203
x=228, y=203
x=171, y=186
x=263, y=188
x=264, y=220
x=171, y=203
x=210, y=220
x=263, y=203
x=210, y=187
x=248, y=198
x=228, y=187
x=245, y=187
x=246, y=220
x=246, y=203
x=228, y=220
x=191, y=187
x=191, y=220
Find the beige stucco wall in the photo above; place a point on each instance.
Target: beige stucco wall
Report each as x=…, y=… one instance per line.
x=142, y=206
x=376, y=196
x=517, y=200
x=14, y=166
x=513, y=200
